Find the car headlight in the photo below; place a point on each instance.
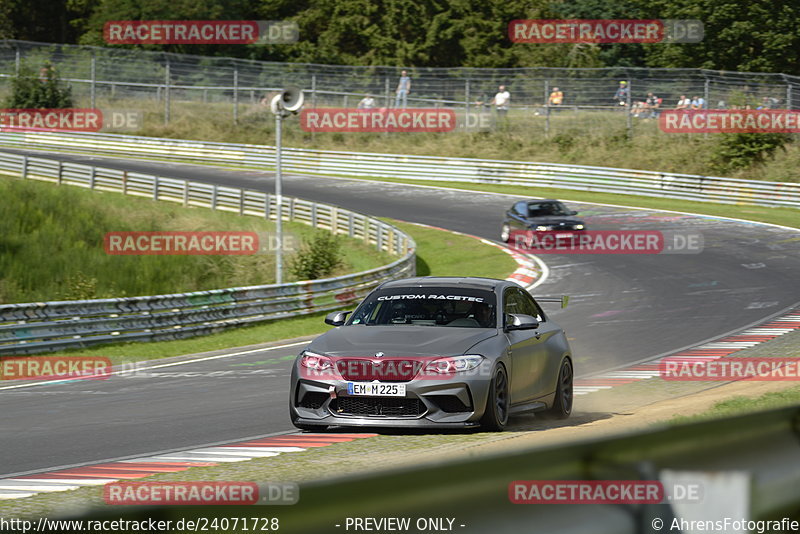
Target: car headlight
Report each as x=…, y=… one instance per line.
x=454, y=364
x=579, y=227
x=315, y=362
x=541, y=228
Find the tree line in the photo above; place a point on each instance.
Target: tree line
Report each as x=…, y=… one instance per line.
x=740, y=35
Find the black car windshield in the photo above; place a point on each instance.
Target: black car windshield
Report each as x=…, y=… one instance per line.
x=546, y=209
x=428, y=306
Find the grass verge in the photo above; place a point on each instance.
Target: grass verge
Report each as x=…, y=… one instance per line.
x=578, y=137
x=52, y=246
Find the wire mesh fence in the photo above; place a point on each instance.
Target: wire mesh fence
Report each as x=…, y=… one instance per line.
x=115, y=74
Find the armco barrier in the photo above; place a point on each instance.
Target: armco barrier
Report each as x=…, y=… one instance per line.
x=332, y=163
x=44, y=326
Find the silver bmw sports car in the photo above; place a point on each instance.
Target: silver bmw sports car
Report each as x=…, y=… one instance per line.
x=434, y=352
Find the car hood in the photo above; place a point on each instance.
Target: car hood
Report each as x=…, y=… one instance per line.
x=399, y=340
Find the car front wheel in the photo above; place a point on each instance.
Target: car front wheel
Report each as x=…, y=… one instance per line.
x=497, y=404
x=562, y=403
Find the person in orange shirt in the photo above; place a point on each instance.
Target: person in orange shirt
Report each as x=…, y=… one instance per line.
x=556, y=97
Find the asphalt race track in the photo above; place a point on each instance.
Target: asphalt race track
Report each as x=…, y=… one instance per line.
x=623, y=308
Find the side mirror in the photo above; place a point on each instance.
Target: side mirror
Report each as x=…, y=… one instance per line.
x=520, y=321
x=337, y=318
x=573, y=212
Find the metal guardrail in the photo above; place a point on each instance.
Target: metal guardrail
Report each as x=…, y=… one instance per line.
x=45, y=326
x=333, y=163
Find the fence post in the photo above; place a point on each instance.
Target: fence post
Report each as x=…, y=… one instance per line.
x=313, y=99
x=166, y=94
x=466, y=98
x=788, y=96
x=91, y=177
x=124, y=182
x=629, y=118
x=547, y=107
x=386, y=88
x=236, y=94
x=241, y=201
x=705, y=97
x=186, y=193
x=93, y=86
x=155, y=187
x=214, y=197
x=60, y=171
x=17, y=60
x=24, y=167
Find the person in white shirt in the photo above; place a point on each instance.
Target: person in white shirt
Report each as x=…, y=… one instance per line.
x=501, y=101
x=683, y=103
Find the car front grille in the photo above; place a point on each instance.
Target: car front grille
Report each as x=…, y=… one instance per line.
x=384, y=370
x=384, y=406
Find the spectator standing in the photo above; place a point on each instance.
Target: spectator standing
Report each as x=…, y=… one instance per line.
x=556, y=97
x=698, y=102
x=501, y=101
x=403, y=89
x=622, y=94
x=683, y=103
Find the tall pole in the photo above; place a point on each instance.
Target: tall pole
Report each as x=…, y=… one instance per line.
x=278, y=200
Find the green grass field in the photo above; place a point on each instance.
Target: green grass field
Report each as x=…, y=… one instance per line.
x=51, y=246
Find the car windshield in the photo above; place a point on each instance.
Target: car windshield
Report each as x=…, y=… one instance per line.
x=545, y=209
x=428, y=306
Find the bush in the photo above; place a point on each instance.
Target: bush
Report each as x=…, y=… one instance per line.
x=741, y=150
x=38, y=91
x=318, y=256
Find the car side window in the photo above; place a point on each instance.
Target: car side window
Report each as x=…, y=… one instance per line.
x=511, y=302
x=530, y=306
x=520, y=208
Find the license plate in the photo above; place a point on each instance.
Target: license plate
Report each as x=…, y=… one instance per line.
x=376, y=389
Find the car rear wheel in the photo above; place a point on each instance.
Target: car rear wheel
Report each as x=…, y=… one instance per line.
x=562, y=403
x=505, y=233
x=496, y=415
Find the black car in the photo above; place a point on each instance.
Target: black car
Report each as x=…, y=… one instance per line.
x=546, y=215
x=435, y=352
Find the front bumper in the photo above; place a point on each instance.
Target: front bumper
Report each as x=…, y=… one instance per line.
x=427, y=403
